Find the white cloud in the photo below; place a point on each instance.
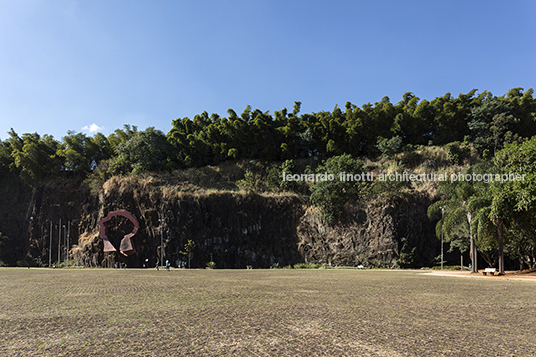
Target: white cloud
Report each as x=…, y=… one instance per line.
x=93, y=128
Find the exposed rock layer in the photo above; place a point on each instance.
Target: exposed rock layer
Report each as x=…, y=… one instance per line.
x=234, y=230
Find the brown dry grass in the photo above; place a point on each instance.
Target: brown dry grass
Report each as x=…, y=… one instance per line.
x=224, y=178
x=428, y=160
x=94, y=312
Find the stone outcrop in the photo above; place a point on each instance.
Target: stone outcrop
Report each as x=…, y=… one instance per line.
x=370, y=234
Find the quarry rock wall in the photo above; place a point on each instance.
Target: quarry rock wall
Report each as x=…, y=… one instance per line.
x=234, y=230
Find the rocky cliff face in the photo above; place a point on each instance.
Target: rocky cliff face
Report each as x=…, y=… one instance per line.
x=373, y=234
x=234, y=230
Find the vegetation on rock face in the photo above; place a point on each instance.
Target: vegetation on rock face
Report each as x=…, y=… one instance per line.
x=331, y=192
x=260, y=153
x=455, y=152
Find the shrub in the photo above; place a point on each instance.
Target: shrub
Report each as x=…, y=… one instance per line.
x=211, y=265
x=249, y=182
x=454, y=152
x=330, y=196
x=389, y=147
x=307, y=266
x=408, y=148
x=289, y=167
x=407, y=255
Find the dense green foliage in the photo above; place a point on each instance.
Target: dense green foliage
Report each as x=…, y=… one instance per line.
x=487, y=121
x=330, y=193
x=497, y=216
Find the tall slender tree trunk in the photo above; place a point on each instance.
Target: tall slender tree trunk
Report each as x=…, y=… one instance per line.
x=472, y=250
x=474, y=256
x=501, y=246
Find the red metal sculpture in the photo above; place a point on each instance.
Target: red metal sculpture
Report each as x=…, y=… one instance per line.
x=126, y=247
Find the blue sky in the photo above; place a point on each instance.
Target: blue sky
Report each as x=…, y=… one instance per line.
x=89, y=64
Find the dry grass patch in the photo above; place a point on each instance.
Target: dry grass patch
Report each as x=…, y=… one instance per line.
x=91, y=312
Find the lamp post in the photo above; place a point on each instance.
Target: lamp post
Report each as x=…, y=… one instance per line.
x=68, y=240
x=50, y=248
x=442, y=215
x=59, y=244
x=161, y=241
x=65, y=240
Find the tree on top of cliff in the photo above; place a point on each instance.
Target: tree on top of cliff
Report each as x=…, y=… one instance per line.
x=34, y=156
x=82, y=152
x=255, y=134
x=146, y=150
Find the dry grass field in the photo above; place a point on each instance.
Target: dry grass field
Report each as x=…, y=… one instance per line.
x=285, y=312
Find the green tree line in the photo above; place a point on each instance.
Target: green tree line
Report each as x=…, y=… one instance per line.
x=487, y=121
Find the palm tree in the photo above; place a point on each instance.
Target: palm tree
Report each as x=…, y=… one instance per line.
x=456, y=218
x=462, y=200
x=486, y=233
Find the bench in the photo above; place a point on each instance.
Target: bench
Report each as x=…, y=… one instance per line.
x=489, y=270
x=249, y=267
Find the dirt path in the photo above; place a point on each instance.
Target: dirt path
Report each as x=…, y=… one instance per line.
x=514, y=275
